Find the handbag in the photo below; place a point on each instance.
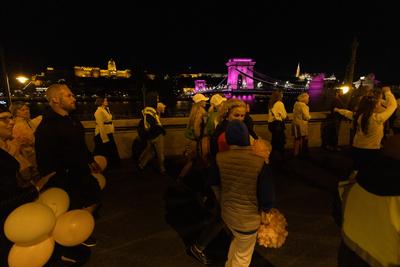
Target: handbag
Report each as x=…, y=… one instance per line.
x=276, y=125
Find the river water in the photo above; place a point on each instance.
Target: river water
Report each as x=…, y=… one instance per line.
x=125, y=109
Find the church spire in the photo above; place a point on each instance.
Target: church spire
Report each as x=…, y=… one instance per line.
x=298, y=70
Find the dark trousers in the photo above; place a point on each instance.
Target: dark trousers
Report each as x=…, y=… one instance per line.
x=278, y=140
x=82, y=188
x=108, y=150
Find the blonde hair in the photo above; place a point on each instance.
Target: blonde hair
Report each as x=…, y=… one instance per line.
x=196, y=108
x=302, y=97
x=229, y=105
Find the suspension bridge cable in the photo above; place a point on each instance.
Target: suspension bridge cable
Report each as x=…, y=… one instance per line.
x=222, y=81
x=275, y=84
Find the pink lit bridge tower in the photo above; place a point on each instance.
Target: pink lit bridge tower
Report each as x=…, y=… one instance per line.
x=243, y=79
x=240, y=73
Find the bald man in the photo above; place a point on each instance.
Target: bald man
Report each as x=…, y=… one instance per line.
x=60, y=147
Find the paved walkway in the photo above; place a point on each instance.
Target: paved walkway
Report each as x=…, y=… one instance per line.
x=147, y=221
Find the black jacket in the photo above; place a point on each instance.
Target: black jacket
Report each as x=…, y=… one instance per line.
x=250, y=126
x=60, y=146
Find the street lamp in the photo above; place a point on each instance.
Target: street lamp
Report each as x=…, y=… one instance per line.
x=23, y=80
x=345, y=88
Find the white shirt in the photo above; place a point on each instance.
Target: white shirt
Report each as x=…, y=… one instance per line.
x=277, y=112
x=104, y=124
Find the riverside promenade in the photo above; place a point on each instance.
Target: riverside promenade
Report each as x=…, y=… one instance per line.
x=148, y=221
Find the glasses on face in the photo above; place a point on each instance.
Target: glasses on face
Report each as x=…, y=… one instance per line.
x=7, y=119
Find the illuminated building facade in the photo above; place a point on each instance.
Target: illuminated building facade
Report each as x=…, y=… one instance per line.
x=96, y=72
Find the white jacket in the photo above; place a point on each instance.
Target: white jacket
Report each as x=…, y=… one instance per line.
x=104, y=125
x=277, y=112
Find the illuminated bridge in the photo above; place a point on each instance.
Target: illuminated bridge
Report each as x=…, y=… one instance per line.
x=243, y=79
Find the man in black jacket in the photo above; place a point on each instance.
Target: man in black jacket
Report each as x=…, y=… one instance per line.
x=60, y=147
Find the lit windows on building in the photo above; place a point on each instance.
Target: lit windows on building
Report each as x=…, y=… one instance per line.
x=96, y=72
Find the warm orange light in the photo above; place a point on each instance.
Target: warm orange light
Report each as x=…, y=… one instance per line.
x=22, y=79
x=345, y=89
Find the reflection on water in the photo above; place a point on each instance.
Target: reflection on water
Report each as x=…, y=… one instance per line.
x=122, y=109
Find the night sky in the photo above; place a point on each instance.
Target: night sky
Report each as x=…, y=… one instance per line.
x=202, y=36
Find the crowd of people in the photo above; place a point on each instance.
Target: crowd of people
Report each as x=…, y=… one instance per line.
x=50, y=151
x=224, y=141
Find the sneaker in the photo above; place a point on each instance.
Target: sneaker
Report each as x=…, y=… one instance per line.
x=199, y=255
x=90, y=242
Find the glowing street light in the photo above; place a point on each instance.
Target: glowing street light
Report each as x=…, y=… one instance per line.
x=22, y=79
x=345, y=89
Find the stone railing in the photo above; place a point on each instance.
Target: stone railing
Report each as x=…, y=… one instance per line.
x=125, y=132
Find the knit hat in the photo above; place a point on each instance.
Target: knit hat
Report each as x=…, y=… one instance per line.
x=217, y=99
x=236, y=133
x=199, y=97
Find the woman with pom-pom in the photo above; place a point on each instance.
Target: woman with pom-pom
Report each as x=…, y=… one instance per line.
x=247, y=192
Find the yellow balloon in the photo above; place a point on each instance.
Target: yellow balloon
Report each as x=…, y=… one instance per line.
x=73, y=227
x=102, y=161
x=100, y=179
x=29, y=223
x=31, y=256
x=56, y=199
